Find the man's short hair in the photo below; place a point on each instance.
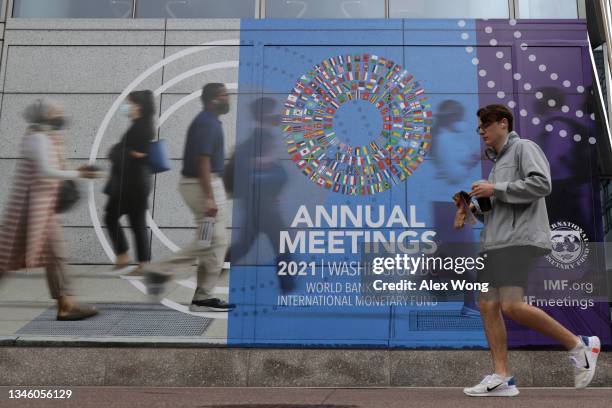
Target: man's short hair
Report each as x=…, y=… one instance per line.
x=495, y=113
x=210, y=92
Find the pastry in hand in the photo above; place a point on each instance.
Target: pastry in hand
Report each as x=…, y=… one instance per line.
x=461, y=199
x=460, y=217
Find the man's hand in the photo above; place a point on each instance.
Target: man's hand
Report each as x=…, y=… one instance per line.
x=482, y=190
x=87, y=171
x=210, y=209
x=138, y=155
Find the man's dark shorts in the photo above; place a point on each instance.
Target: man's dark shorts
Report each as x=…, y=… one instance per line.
x=508, y=266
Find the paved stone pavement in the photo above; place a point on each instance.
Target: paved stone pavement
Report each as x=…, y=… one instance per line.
x=119, y=397
x=24, y=297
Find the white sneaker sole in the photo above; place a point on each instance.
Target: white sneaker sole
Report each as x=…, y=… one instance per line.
x=194, y=308
x=590, y=373
x=505, y=392
x=132, y=277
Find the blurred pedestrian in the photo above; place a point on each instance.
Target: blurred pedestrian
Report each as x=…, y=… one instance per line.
x=31, y=235
x=129, y=185
x=202, y=189
x=259, y=157
x=455, y=154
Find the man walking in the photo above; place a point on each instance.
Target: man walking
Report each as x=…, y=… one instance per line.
x=202, y=190
x=516, y=231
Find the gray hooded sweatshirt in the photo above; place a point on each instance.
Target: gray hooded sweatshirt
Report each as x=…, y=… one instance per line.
x=521, y=175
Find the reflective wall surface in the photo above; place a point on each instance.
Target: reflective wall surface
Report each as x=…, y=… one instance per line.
x=325, y=8
x=536, y=9
x=196, y=9
x=73, y=8
x=446, y=9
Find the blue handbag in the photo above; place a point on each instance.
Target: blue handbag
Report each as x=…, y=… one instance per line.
x=158, y=156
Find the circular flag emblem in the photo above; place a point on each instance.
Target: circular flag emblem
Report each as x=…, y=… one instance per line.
x=347, y=156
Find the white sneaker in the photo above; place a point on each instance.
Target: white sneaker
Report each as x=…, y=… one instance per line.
x=584, y=358
x=493, y=386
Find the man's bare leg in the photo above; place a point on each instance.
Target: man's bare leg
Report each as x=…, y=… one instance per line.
x=495, y=330
x=513, y=306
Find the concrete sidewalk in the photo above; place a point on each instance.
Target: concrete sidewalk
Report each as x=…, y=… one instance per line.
x=120, y=397
x=127, y=313
x=135, y=341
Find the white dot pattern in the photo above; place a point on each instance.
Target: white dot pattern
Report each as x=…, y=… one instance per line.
x=527, y=85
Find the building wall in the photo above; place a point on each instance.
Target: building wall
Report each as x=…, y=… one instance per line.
x=86, y=65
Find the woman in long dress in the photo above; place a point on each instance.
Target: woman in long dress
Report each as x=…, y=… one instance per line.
x=31, y=235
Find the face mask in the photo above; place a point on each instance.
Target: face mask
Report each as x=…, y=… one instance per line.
x=124, y=108
x=223, y=107
x=57, y=123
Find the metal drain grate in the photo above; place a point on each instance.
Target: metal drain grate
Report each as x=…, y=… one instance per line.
x=116, y=319
x=429, y=320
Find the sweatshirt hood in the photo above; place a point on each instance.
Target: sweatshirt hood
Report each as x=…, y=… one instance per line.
x=493, y=155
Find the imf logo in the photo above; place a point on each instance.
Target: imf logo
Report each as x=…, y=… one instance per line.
x=569, y=245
